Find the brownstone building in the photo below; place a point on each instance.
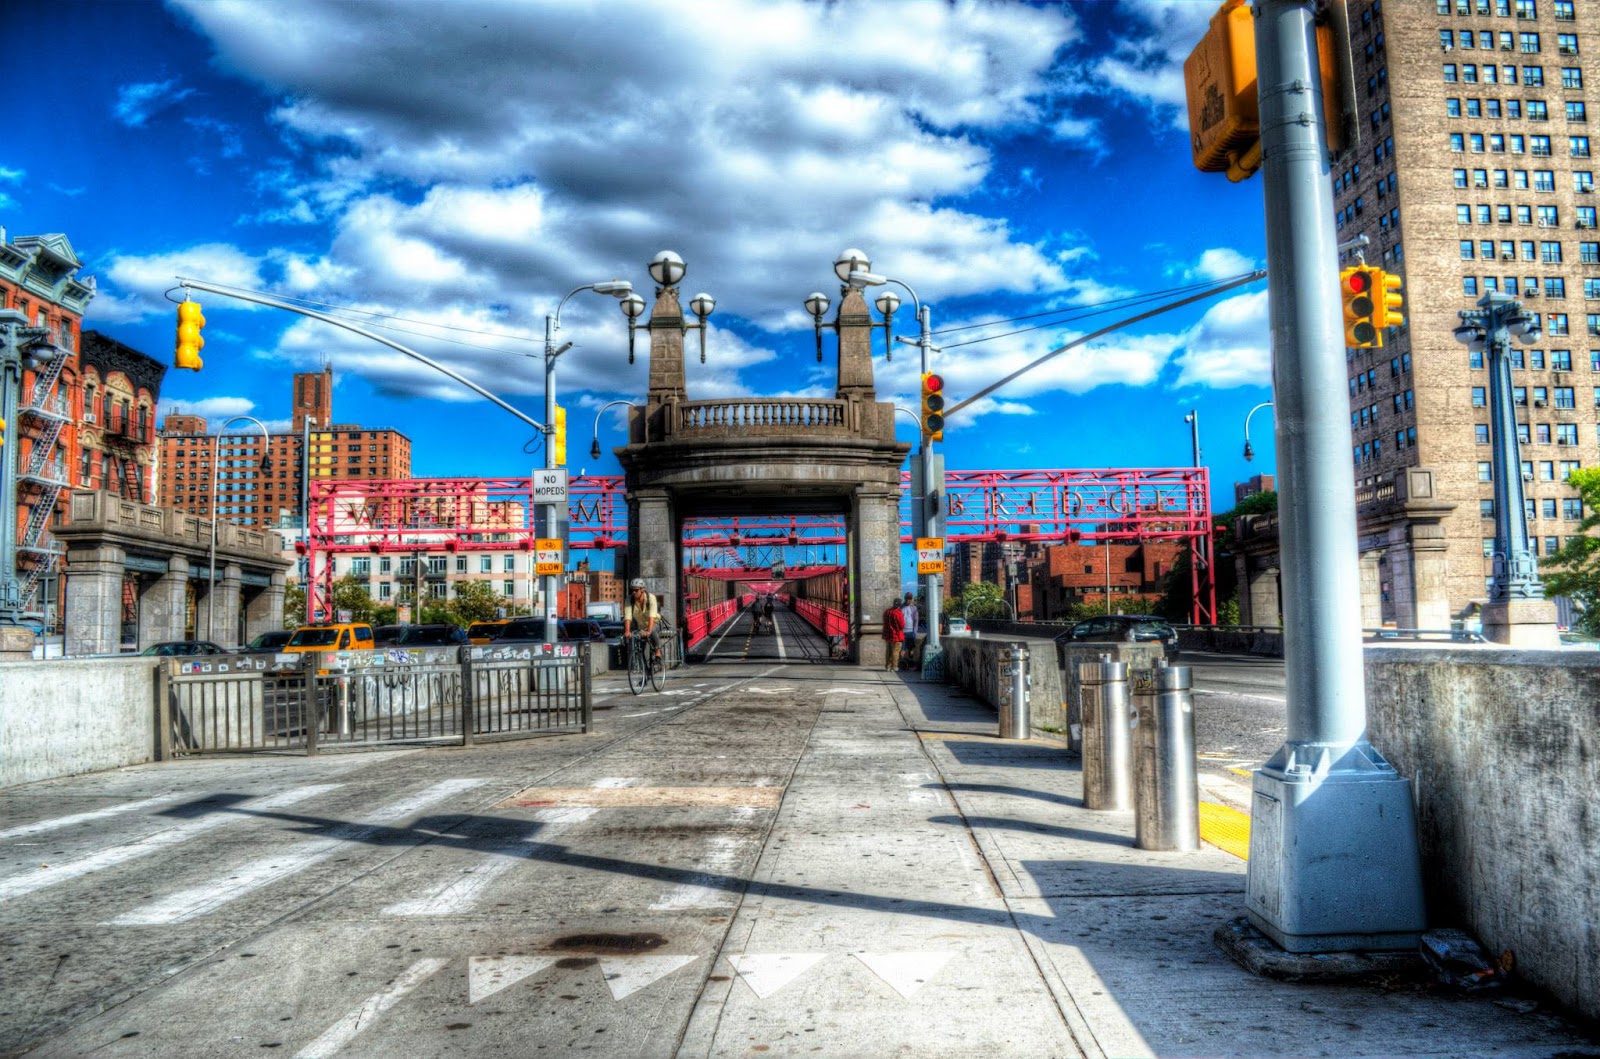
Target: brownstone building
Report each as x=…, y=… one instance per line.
x=1474, y=173
x=1069, y=574
x=39, y=279
x=253, y=491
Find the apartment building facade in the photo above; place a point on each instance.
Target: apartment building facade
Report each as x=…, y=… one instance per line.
x=1474, y=173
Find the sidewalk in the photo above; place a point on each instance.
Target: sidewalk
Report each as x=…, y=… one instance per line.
x=1054, y=936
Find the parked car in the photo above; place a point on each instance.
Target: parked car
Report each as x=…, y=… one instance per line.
x=481, y=632
x=610, y=631
x=442, y=634
x=1125, y=628
x=386, y=635
x=174, y=648
x=339, y=637
x=568, y=630
x=958, y=627
x=274, y=640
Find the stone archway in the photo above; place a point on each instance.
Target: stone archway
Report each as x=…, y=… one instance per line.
x=835, y=456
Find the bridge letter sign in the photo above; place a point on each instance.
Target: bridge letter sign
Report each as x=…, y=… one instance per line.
x=547, y=556
x=930, y=555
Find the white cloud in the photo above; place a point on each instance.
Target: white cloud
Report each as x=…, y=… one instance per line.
x=11, y=176
x=1147, y=64
x=1229, y=346
x=215, y=410
x=138, y=282
x=137, y=103
x=1221, y=263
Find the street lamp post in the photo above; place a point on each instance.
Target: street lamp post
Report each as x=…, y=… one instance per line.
x=21, y=347
x=1516, y=595
x=1249, y=453
x=854, y=268
x=617, y=288
x=1193, y=419
x=594, y=448
x=216, y=493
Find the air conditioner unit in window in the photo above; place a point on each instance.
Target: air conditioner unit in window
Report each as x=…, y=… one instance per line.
x=1527, y=476
x=1508, y=257
x=1531, y=292
x=1585, y=189
x=1539, y=403
x=1562, y=441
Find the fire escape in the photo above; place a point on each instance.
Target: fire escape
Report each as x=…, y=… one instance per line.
x=41, y=481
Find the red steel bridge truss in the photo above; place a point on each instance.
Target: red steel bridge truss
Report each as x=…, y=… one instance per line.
x=411, y=517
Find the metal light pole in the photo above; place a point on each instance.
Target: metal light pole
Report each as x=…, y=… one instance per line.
x=17, y=340
x=854, y=268
x=1516, y=595
x=1334, y=862
x=216, y=492
x=1249, y=453
x=1193, y=419
x=305, y=508
x=617, y=288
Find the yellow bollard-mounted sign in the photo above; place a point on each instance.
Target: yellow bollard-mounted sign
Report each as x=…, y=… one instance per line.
x=1220, y=82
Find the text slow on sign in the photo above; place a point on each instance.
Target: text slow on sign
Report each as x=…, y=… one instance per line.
x=547, y=556
x=930, y=555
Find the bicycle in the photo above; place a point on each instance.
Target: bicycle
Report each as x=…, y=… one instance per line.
x=644, y=666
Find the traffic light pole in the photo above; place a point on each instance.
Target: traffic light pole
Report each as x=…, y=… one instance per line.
x=933, y=586
x=1334, y=862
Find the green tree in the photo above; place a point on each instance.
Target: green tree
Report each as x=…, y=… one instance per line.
x=294, y=606
x=1574, y=571
x=980, y=599
x=475, y=601
x=350, y=594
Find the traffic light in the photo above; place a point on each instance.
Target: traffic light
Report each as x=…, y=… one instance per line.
x=190, y=322
x=933, y=407
x=1358, y=287
x=1389, y=302
x=560, y=439
x=2, y=433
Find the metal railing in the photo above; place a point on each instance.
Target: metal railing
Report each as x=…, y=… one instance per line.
x=340, y=699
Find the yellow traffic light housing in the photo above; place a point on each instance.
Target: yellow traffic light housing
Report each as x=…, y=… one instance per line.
x=187, y=354
x=933, y=407
x=1220, y=85
x=1358, y=291
x=559, y=439
x=1390, y=302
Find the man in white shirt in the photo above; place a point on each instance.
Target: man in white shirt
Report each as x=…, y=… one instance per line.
x=643, y=616
x=908, y=610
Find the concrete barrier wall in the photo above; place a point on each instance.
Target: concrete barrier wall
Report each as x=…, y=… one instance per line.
x=973, y=664
x=1265, y=642
x=1503, y=751
x=65, y=718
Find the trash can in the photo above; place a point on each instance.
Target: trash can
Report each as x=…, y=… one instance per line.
x=1166, y=788
x=1014, y=720
x=1107, y=735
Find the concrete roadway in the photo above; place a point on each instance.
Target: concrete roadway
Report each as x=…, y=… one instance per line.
x=766, y=858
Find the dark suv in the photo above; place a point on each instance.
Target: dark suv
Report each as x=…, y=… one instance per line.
x=442, y=634
x=1124, y=628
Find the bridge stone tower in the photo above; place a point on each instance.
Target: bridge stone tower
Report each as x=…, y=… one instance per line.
x=751, y=455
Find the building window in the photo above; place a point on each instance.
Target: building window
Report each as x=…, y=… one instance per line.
x=1538, y=110
x=1571, y=77
x=1528, y=43
x=485, y=564
x=1469, y=286
x=1480, y=397
x=1450, y=73
x=1452, y=109
x=1556, y=324
x=1566, y=433
x=1486, y=509
x=1555, y=287
x=509, y=564
x=1480, y=433
x=1571, y=510
x=508, y=588
x=385, y=590
x=461, y=564
x=1576, y=112
x=385, y=564
x=1567, y=43
x=1561, y=359
x=1533, y=76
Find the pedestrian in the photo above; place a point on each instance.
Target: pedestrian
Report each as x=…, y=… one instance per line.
x=894, y=634
x=913, y=622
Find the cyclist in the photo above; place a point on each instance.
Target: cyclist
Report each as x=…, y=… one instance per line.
x=643, y=618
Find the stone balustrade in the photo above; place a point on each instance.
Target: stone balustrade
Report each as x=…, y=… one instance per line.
x=761, y=415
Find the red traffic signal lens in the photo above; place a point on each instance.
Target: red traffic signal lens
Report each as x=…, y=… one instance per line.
x=933, y=383
x=1360, y=282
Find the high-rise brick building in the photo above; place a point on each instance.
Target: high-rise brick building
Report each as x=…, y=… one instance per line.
x=252, y=493
x=1475, y=172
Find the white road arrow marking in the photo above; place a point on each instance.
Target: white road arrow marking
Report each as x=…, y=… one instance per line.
x=767, y=973
x=906, y=972
x=843, y=691
x=487, y=975
x=769, y=690
x=626, y=975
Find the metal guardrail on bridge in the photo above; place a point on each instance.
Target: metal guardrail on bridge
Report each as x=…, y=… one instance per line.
x=312, y=701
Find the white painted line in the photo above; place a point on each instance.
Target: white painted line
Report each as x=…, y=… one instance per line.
x=95, y=814
x=725, y=632
x=183, y=832
x=906, y=972
x=461, y=894
x=344, y=1031
x=626, y=975
x=770, y=972
x=720, y=860
x=778, y=632
x=234, y=884
x=487, y=975
x=616, y=782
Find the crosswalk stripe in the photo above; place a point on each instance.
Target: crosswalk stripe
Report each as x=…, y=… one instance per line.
x=719, y=862
x=626, y=975
x=172, y=836
x=906, y=972
x=210, y=896
x=487, y=975
x=94, y=814
x=461, y=893
x=341, y=1033
x=767, y=973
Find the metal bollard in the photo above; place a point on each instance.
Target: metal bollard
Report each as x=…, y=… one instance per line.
x=1166, y=789
x=1014, y=720
x=1107, y=735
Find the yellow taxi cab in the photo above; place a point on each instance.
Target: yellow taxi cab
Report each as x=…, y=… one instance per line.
x=481, y=632
x=346, y=636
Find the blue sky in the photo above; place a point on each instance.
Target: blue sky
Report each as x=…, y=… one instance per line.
x=466, y=164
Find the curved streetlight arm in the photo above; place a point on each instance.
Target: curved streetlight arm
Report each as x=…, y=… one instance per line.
x=1249, y=453
x=275, y=303
x=594, y=450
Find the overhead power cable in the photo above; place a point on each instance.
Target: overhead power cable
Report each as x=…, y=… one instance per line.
x=1089, y=310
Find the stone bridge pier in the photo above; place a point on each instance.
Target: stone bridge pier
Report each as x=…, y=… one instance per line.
x=775, y=456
